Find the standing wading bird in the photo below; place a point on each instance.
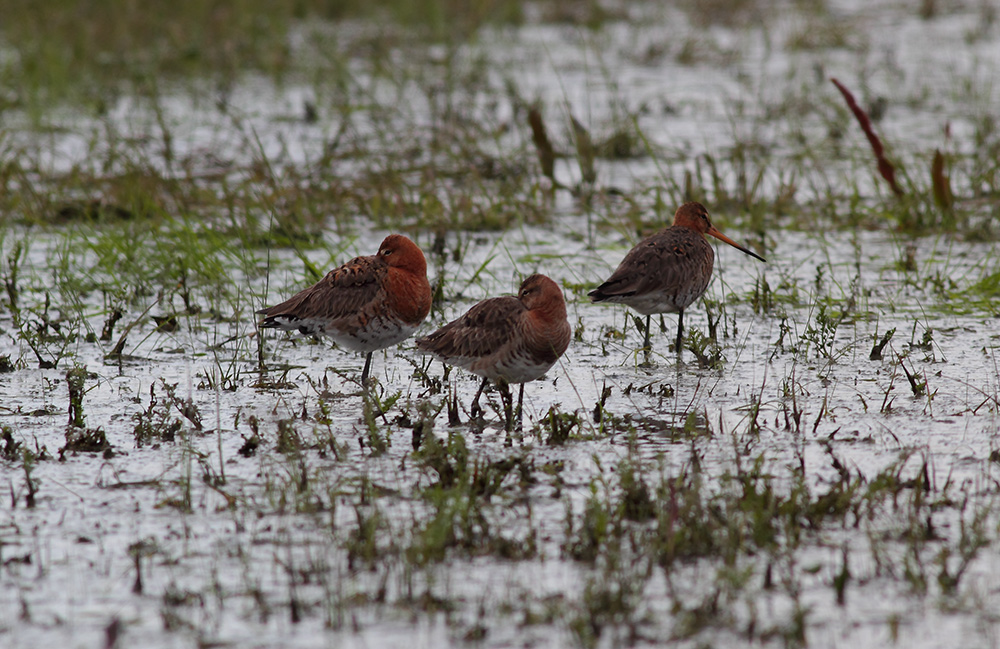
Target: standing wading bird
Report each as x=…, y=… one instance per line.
x=368, y=303
x=506, y=339
x=669, y=270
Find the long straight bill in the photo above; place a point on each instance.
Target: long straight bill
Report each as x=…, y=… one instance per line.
x=721, y=237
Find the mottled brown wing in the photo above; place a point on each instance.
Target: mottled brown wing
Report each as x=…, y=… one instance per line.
x=481, y=331
x=667, y=261
x=344, y=292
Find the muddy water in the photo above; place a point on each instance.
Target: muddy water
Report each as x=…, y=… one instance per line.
x=225, y=543
x=216, y=559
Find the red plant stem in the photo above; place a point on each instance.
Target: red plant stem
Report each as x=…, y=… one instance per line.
x=884, y=166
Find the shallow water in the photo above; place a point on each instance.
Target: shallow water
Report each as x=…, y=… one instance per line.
x=227, y=543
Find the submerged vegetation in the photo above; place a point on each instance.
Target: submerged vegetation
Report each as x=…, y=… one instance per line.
x=821, y=463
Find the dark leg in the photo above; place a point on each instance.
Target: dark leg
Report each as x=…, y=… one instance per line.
x=508, y=405
x=520, y=403
x=645, y=343
x=364, y=372
x=476, y=410
x=680, y=329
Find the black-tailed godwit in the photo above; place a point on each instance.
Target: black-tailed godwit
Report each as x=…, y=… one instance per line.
x=506, y=339
x=667, y=271
x=369, y=303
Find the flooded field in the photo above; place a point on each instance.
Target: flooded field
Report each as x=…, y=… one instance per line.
x=818, y=467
